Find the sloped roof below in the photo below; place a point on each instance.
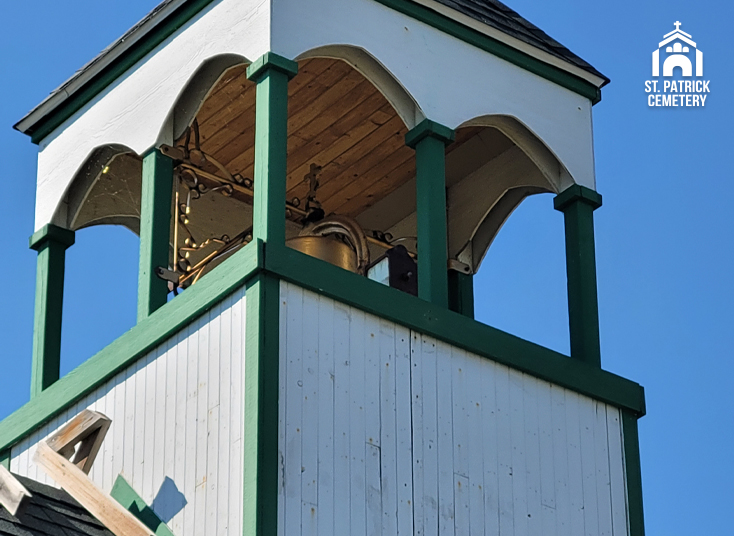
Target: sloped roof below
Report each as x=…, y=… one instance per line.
x=49, y=512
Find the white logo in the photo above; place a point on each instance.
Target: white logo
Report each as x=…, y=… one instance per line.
x=678, y=50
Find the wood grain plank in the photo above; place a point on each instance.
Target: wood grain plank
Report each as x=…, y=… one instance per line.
x=357, y=432
x=293, y=423
x=326, y=409
x=342, y=502
x=224, y=487
x=616, y=473
x=445, y=456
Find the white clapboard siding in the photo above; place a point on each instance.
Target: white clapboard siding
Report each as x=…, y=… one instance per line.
x=387, y=431
x=176, y=415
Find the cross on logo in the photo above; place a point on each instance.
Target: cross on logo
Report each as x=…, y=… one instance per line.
x=677, y=25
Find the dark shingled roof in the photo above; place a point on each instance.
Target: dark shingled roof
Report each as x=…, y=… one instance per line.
x=49, y=512
x=499, y=16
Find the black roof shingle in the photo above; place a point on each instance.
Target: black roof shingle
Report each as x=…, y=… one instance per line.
x=49, y=512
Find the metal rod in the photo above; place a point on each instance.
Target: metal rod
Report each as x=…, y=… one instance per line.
x=238, y=187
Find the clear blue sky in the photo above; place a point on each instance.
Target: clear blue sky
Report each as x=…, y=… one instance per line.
x=664, y=236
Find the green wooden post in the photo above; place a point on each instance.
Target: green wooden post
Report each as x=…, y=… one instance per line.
x=578, y=204
x=51, y=243
x=429, y=139
x=155, y=231
x=261, y=463
x=5, y=458
x=461, y=293
x=634, y=472
x=271, y=73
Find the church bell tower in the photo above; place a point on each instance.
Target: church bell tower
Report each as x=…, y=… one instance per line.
x=314, y=184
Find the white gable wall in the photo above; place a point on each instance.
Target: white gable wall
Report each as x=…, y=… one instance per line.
x=450, y=81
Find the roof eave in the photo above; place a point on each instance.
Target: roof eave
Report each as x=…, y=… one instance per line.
x=107, y=57
x=29, y=123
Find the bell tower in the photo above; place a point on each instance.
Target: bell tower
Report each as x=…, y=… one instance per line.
x=314, y=184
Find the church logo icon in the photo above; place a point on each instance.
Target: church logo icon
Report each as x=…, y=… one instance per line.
x=677, y=47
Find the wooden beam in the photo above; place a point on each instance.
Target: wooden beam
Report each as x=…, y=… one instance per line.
x=12, y=492
x=77, y=484
x=88, y=428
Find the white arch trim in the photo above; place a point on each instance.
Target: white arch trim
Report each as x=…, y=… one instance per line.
x=361, y=60
x=138, y=110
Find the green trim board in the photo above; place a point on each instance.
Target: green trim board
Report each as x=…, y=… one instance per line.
x=429, y=139
x=155, y=231
x=5, y=458
x=578, y=204
x=262, y=458
x=271, y=73
x=631, y=442
x=51, y=243
x=124, y=494
x=128, y=348
x=190, y=9
x=343, y=286
x=453, y=328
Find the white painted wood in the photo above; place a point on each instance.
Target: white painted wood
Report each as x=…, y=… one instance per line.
x=176, y=414
x=400, y=58
x=382, y=431
x=466, y=446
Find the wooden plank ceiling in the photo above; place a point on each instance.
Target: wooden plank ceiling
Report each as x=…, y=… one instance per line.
x=336, y=119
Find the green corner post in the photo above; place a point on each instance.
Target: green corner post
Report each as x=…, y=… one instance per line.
x=5, y=458
x=155, y=231
x=634, y=472
x=271, y=73
x=578, y=204
x=461, y=293
x=51, y=243
x=429, y=139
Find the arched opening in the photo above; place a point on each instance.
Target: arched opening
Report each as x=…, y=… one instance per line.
x=677, y=60
x=103, y=206
x=519, y=282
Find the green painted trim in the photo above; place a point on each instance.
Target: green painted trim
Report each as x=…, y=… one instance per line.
x=428, y=128
x=577, y=193
x=261, y=463
x=192, y=303
x=461, y=293
x=578, y=204
x=124, y=494
x=495, y=47
x=112, y=72
x=633, y=470
x=271, y=73
x=155, y=231
x=52, y=233
x=271, y=60
x=453, y=328
x=5, y=458
x=429, y=140
x=51, y=243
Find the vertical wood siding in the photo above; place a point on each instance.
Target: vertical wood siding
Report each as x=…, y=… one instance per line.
x=387, y=431
x=176, y=414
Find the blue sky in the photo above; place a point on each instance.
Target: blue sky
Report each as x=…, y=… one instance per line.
x=665, y=235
